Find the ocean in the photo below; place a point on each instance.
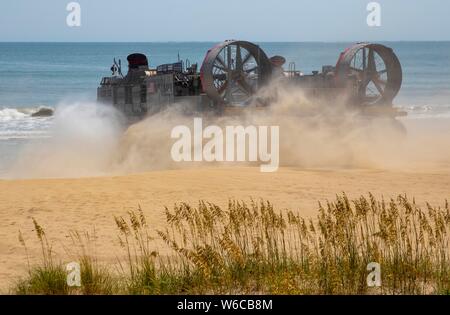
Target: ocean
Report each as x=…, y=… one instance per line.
x=34, y=75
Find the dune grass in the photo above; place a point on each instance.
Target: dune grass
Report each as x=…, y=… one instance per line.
x=251, y=248
x=47, y=278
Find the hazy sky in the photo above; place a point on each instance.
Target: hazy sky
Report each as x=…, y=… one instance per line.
x=212, y=20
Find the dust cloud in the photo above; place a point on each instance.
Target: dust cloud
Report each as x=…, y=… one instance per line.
x=92, y=140
x=83, y=141
x=325, y=135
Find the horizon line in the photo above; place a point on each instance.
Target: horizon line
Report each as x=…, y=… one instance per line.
x=211, y=41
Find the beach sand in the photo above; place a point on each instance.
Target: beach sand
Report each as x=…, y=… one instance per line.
x=85, y=204
x=317, y=164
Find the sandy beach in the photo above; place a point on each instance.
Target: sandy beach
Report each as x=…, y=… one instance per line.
x=81, y=184
x=85, y=204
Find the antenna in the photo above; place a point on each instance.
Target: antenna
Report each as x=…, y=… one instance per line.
x=120, y=68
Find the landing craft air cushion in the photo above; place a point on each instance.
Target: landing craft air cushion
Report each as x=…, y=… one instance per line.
x=368, y=76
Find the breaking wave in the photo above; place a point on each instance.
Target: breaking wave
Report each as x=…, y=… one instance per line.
x=19, y=123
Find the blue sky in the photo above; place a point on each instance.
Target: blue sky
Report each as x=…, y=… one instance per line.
x=211, y=20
